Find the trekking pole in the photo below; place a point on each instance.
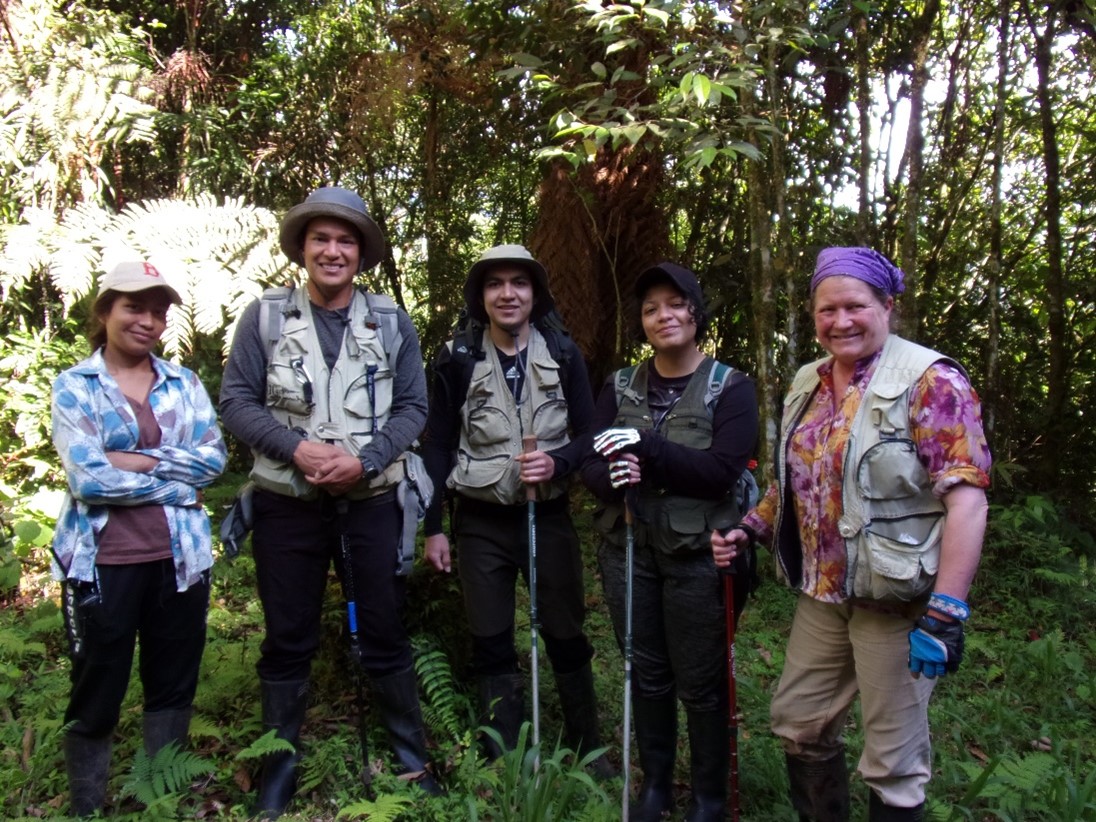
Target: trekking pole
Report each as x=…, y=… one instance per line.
x=629, y=562
x=342, y=508
x=529, y=444
x=732, y=697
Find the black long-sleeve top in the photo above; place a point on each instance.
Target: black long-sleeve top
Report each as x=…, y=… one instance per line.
x=689, y=472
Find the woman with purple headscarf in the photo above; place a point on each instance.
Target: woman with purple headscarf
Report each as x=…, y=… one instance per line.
x=876, y=520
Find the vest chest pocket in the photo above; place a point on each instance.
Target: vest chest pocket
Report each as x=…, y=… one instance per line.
x=550, y=423
x=690, y=430
x=487, y=427
x=903, y=556
x=368, y=400
x=289, y=388
x=902, y=540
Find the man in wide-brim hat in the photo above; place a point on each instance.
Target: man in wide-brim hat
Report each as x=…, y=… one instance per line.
x=325, y=383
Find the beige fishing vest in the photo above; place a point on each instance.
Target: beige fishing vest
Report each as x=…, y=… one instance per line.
x=336, y=407
x=891, y=521
x=492, y=425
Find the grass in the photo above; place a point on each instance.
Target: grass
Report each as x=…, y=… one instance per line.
x=1012, y=729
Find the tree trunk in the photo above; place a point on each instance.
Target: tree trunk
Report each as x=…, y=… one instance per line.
x=915, y=149
x=1056, y=431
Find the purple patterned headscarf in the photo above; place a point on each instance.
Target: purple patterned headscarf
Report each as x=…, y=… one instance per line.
x=862, y=263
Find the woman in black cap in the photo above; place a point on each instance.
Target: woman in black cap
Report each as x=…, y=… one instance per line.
x=677, y=432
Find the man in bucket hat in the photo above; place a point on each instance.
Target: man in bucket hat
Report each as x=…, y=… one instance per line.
x=325, y=383
x=513, y=374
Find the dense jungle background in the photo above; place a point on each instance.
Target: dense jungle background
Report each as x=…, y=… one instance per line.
x=734, y=137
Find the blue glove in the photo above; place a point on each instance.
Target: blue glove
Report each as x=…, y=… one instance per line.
x=936, y=647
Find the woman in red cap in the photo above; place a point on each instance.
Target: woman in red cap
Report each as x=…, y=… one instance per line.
x=138, y=439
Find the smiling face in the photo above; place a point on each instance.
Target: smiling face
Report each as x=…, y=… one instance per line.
x=850, y=320
x=667, y=319
x=331, y=250
x=508, y=296
x=134, y=323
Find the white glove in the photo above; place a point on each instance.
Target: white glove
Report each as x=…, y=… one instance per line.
x=612, y=441
x=620, y=472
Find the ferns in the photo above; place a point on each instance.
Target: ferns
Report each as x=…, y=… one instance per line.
x=444, y=707
x=218, y=256
x=386, y=808
x=170, y=771
x=70, y=89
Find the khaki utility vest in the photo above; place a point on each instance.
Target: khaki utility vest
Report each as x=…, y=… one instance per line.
x=665, y=521
x=891, y=521
x=492, y=424
x=345, y=406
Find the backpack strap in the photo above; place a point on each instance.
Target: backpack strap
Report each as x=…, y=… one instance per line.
x=383, y=316
x=273, y=309
x=718, y=379
x=623, y=381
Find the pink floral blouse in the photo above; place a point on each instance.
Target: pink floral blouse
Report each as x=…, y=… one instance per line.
x=945, y=423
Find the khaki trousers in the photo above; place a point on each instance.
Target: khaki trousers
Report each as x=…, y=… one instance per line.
x=835, y=651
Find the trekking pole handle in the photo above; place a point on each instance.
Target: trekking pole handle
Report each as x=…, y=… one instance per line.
x=528, y=446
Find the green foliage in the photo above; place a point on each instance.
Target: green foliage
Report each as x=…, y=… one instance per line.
x=268, y=743
x=1045, y=564
x=72, y=88
x=533, y=785
x=667, y=73
x=30, y=488
x=218, y=254
x=1034, y=786
x=444, y=708
x=385, y=808
x=167, y=773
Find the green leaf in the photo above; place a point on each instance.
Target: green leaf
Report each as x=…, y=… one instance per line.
x=599, y=70
x=620, y=45
x=702, y=87
x=527, y=60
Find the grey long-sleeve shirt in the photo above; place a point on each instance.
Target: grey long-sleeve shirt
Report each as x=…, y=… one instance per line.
x=243, y=390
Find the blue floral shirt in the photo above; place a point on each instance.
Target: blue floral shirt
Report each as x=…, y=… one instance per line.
x=91, y=416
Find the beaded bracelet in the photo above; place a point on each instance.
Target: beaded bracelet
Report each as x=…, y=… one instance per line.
x=954, y=608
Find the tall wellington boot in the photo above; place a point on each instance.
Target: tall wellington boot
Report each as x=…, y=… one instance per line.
x=87, y=761
x=397, y=698
x=502, y=707
x=656, y=739
x=709, y=761
x=284, y=706
x=580, y=717
x=161, y=728
x=819, y=790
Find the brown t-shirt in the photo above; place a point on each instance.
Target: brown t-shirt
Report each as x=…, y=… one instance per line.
x=136, y=533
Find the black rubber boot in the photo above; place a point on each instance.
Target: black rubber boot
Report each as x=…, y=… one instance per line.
x=879, y=812
x=397, y=698
x=87, y=762
x=819, y=790
x=656, y=739
x=709, y=760
x=578, y=702
x=161, y=728
x=502, y=706
x=283, y=710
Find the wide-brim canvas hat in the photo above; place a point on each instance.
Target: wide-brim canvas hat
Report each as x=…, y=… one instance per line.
x=340, y=204
x=133, y=276
x=507, y=255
